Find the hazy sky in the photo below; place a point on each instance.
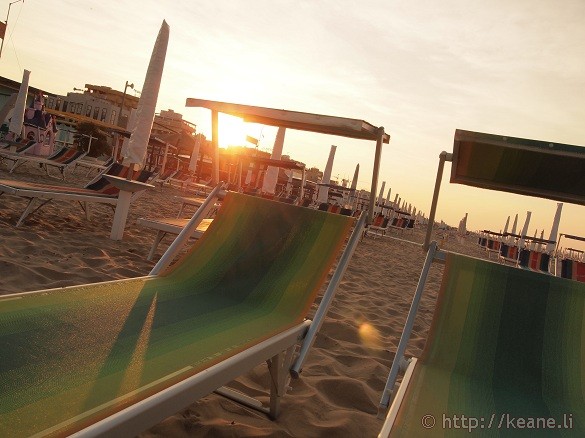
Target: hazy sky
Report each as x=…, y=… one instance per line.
x=419, y=68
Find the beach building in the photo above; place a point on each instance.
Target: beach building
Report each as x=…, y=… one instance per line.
x=96, y=102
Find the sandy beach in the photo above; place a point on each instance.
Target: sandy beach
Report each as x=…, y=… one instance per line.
x=342, y=381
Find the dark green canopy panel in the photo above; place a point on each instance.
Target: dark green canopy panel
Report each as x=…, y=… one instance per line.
x=528, y=167
x=72, y=356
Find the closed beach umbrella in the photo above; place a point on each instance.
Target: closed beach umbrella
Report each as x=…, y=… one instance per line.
x=194, y=155
x=15, y=127
x=541, y=237
x=355, y=177
x=271, y=175
x=381, y=196
x=515, y=224
x=555, y=228
x=289, y=184
x=354, y=181
x=140, y=132
x=323, y=194
x=524, y=229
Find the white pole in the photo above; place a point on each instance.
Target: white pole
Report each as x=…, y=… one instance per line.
x=15, y=127
x=194, y=155
x=323, y=193
x=271, y=175
x=515, y=224
x=524, y=229
x=555, y=228
x=381, y=197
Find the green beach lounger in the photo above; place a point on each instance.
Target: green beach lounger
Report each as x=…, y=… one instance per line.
x=505, y=354
x=114, y=358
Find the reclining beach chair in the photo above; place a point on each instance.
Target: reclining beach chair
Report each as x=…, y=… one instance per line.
x=60, y=160
x=573, y=270
x=17, y=144
x=505, y=347
x=379, y=226
x=509, y=253
x=99, y=190
x=534, y=260
x=164, y=177
x=164, y=226
x=95, y=164
x=115, y=358
x=569, y=263
x=181, y=179
x=20, y=149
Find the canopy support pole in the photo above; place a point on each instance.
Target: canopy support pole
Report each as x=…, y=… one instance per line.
x=377, y=159
x=328, y=296
x=443, y=156
x=215, y=146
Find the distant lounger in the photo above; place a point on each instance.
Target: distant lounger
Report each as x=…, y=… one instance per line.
x=100, y=190
x=60, y=160
x=181, y=179
x=164, y=177
x=379, y=226
x=573, y=270
x=19, y=150
x=191, y=201
x=16, y=145
x=93, y=165
x=166, y=226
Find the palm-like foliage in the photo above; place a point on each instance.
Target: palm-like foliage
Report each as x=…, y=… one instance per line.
x=100, y=141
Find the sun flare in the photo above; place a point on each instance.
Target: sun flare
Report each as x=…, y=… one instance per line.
x=231, y=131
x=369, y=335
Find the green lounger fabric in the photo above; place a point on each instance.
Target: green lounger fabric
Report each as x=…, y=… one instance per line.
x=517, y=165
x=504, y=341
x=79, y=353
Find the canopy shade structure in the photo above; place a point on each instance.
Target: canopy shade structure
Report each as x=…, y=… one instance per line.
x=332, y=125
x=527, y=167
x=281, y=164
x=284, y=164
x=337, y=187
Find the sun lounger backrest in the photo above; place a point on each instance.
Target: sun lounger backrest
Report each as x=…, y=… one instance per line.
x=25, y=147
x=72, y=356
x=509, y=252
x=519, y=331
x=102, y=185
x=493, y=245
x=66, y=156
x=281, y=261
x=535, y=260
x=573, y=270
x=58, y=153
x=378, y=220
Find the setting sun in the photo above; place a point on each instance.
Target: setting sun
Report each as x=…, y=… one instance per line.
x=232, y=131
